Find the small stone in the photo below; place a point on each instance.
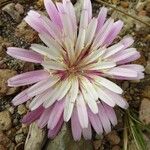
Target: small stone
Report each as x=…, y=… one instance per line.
x=10, y=9
x=19, y=8
x=113, y=138
x=145, y=111
x=19, y=138
x=25, y=31
x=125, y=85
x=97, y=144
x=5, y=120
x=146, y=92
x=147, y=68
x=2, y=147
x=4, y=140
x=11, y=109
x=116, y=147
x=5, y=74
x=124, y=4
x=22, y=109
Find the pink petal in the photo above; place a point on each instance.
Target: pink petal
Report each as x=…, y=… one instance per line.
x=75, y=126
x=127, y=41
x=95, y=121
x=35, y=20
x=88, y=6
x=33, y=115
x=104, y=119
x=41, y=86
x=55, y=114
x=52, y=133
x=28, y=78
x=87, y=132
x=122, y=72
x=43, y=120
x=53, y=12
x=21, y=98
x=101, y=18
x=110, y=113
x=82, y=112
x=25, y=55
x=116, y=28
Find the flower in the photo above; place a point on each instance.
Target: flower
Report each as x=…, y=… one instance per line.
x=76, y=60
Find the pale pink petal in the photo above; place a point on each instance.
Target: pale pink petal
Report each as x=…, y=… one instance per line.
x=52, y=133
x=39, y=99
x=55, y=114
x=87, y=132
x=110, y=113
x=25, y=55
x=116, y=28
x=102, y=34
x=131, y=58
x=88, y=6
x=95, y=121
x=82, y=112
x=122, y=72
x=75, y=126
x=35, y=20
x=53, y=12
x=33, y=115
x=41, y=86
x=43, y=120
x=21, y=98
x=101, y=18
x=127, y=41
x=104, y=119
x=28, y=78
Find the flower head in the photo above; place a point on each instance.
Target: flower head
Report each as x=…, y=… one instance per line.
x=77, y=59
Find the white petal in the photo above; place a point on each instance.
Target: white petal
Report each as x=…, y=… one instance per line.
x=89, y=88
x=105, y=97
x=90, y=101
x=101, y=65
x=44, y=51
x=54, y=65
x=70, y=99
x=41, y=86
x=90, y=31
x=109, y=85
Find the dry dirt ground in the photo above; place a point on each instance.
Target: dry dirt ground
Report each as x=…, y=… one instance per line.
x=15, y=32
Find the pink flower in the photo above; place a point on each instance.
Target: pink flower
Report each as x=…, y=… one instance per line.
x=76, y=60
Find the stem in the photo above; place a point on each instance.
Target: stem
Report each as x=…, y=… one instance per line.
x=113, y=7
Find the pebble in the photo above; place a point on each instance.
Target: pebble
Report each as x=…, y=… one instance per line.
x=116, y=147
x=147, y=68
x=2, y=147
x=146, y=92
x=11, y=109
x=5, y=74
x=125, y=85
x=97, y=144
x=5, y=120
x=19, y=8
x=19, y=138
x=124, y=4
x=4, y=140
x=10, y=9
x=23, y=30
x=113, y=138
x=22, y=109
x=144, y=113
